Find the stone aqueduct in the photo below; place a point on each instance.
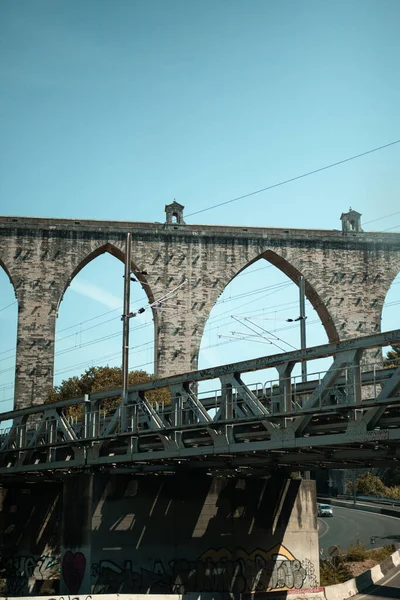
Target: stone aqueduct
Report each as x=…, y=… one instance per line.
x=347, y=272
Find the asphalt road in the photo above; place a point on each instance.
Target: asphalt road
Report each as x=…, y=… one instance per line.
x=348, y=525
x=389, y=587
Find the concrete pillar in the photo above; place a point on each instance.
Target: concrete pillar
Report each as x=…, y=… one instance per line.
x=76, y=535
x=193, y=533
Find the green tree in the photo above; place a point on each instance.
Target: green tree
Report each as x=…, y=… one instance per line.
x=392, y=357
x=101, y=379
x=370, y=485
x=390, y=476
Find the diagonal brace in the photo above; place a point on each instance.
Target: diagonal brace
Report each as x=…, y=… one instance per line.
x=152, y=417
x=319, y=395
x=255, y=407
x=373, y=415
x=192, y=401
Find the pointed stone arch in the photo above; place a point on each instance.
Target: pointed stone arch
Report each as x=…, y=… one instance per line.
x=9, y=338
x=393, y=274
x=311, y=293
x=89, y=254
x=7, y=272
x=117, y=253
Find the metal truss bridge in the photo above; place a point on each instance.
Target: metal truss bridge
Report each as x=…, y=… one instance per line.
x=348, y=416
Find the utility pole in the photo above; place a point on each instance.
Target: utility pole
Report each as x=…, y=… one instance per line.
x=125, y=317
x=303, y=342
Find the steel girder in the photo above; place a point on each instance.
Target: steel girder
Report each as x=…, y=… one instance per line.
x=347, y=417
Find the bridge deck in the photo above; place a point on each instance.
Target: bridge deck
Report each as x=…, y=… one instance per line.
x=346, y=417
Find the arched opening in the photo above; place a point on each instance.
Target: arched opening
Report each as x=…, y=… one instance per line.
x=390, y=311
x=89, y=326
x=258, y=314
x=8, y=340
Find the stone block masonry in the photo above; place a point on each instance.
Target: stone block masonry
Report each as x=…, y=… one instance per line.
x=347, y=273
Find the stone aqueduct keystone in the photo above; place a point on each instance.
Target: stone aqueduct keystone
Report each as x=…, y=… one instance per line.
x=347, y=273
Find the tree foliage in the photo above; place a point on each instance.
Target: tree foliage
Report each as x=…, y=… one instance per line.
x=372, y=485
x=101, y=379
x=392, y=357
x=391, y=476
x=369, y=485
x=333, y=570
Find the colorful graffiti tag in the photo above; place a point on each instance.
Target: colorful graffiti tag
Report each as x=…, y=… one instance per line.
x=217, y=570
x=39, y=567
x=15, y=571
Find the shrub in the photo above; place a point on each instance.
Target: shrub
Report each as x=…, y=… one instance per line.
x=379, y=554
x=333, y=571
x=370, y=485
x=356, y=552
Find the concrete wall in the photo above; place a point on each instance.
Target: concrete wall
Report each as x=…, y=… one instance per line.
x=30, y=537
x=171, y=534
x=347, y=278
x=180, y=534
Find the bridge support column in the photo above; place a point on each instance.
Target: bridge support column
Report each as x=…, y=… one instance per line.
x=76, y=535
x=35, y=345
x=195, y=533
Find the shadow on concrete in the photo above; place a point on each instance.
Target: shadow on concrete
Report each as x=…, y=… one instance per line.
x=383, y=591
x=184, y=533
x=30, y=518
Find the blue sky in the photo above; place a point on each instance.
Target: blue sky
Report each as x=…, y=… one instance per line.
x=109, y=110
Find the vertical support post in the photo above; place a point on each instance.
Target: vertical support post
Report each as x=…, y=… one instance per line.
x=285, y=386
x=353, y=376
x=21, y=436
x=93, y=412
x=178, y=416
x=227, y=409
x=227, y=401
x=87, y=417
x=354, y=487
x=125, y=318
x=51, y=451
x=303, y=341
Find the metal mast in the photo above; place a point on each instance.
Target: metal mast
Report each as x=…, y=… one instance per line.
x=303, y=342
x=125, y=317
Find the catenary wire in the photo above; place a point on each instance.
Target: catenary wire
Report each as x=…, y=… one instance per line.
x=296, y=178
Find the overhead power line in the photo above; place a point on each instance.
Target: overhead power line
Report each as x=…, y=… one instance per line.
x=390, y=228
x=296, y=178
x=381, y=218
x=8, y=306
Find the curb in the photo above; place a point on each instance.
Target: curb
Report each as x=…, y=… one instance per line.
x=354, y=586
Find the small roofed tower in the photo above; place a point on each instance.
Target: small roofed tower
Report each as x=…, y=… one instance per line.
x=174, y=213
x=351, y=221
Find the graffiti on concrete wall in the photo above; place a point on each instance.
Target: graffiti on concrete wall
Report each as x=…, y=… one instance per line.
x=38, y=567
x=216, y=570
x=73, y=570
x=84, y=597
x=17, y=570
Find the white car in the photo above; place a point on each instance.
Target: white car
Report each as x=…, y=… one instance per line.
x=325, y=510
